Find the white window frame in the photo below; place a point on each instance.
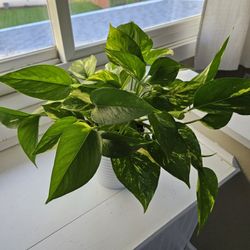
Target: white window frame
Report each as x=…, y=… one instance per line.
x=174, y=34
x=179, y=34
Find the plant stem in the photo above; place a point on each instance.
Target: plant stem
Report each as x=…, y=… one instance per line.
x=147, y=133
x=142, y=119
x=147, y=126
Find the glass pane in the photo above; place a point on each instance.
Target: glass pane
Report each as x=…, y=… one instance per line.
x=91, y=18
x=24, y=27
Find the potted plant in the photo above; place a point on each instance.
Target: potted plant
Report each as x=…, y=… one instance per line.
x=131, y=112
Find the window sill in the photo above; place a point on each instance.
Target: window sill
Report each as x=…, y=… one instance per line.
x=89, y=217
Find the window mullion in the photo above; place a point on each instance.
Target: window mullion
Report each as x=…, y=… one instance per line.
x=61, y=24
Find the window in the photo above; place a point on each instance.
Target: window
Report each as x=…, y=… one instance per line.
x=80, y=27
x=60, y=31
x=24, y=27
x=91, y=19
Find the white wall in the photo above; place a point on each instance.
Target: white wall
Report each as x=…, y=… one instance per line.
x=245, y=57
x=16, y=3
x=222, y=18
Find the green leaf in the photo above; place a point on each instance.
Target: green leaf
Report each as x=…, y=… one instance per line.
x=225, y=94
x=52, y=135
x=74, y=103
x=181, y=94
x=115, y=148
x=107, y=77
x=139, y=175
x=81, y=95
x=120, y=41
x=144, y=42
x=126, y=80
x=131, y=63
x=163, y=71
x=192, y=144
x=211, y=70
x=154, y=54
x=177, y=114
x=54, y=110
x=165, y=130
x=218, y=120
x=171, y=153
x=28, y=135
x=84, y=68
x=207, y=189
x=176, y=162
x=12, y=118
x=88, y=86
x=77, y=159
x=115, y=145
x=114, y=106
x=46, y=82
x=168, y=99
x=160, y=102
x=113, y=68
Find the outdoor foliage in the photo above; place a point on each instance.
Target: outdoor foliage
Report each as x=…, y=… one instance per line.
x=128, y=112
x=14, y=16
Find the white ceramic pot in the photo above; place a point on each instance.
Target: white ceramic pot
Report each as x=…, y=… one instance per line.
x=106, y=175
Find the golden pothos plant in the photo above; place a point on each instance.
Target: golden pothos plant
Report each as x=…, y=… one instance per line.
x=131, y=111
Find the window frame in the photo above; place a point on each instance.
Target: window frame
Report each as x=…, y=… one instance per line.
x=179, y=35
x=180, y=30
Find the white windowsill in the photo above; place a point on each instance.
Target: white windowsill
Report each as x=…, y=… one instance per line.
x=91, y=217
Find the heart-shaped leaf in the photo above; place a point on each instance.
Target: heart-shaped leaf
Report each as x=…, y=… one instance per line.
x=139, y=175
x=12, y=118
x=84, y=68
x=181, y=94
x=107, y=77
x=77, y=158
x=225, y=94
x=218, y=120
x=74, y=103
x=114, y=106
x=176, y=162
x=144, y=42
x=131, y=63
x=28, y=135
x=46, y=82
x=111, y=67
x=154, y=54
x=52, y=135
x=115, y=145
x=160, y=102
x=192, y=144
x=171, y=153
x=210, y=71
x=165, y=130
x=207, y=189
x=119, y=41
x=163, y=71
x=54, y=110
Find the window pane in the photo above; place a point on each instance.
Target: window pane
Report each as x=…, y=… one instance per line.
x=91, y=18
x=24, y=27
